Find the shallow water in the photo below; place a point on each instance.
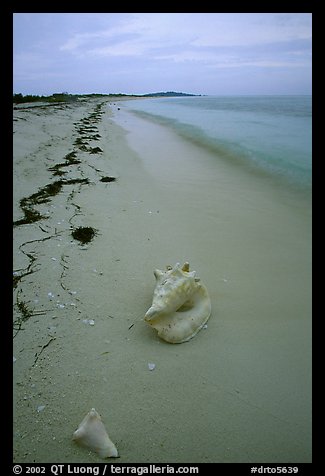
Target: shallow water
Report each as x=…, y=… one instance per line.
x=240, y=391
x=270, y=133
x=250, y=240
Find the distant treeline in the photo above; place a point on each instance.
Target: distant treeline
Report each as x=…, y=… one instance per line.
x=66, y=97
x=56, y=97
x=168, y=94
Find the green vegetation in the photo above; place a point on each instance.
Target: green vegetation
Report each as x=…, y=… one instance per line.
x=56, y=97
x=19, y=98
x=168, y=94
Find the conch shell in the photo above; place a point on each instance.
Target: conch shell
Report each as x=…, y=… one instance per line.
x=181, y=304
x=92, y=434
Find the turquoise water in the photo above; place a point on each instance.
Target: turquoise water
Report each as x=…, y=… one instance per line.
x=269, y=133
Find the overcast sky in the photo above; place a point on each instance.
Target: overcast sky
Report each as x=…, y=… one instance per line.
x=137, y=53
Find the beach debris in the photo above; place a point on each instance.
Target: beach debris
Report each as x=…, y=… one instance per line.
x=44, y=195
x=181, y=305
x=108, y=179
x=25, y=313
x=95, y=150
x=70, y=159
x=92, y=434
x=14, y=359
x=17, y=277
x=37, y=355
x=151, y=366
x=84, y=234
x=51, y=331
x=40, y=408
x=98, y=272
x=91, y=322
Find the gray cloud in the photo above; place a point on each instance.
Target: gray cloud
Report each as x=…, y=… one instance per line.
x=187, y=50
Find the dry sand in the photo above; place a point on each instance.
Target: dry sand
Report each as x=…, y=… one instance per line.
x=240, y=391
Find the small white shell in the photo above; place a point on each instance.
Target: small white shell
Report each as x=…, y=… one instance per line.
x=92, y=434
x=91, y=322
x=181, y=304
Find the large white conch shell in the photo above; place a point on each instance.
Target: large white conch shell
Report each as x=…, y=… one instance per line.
x=92, y=434
x=181, y=304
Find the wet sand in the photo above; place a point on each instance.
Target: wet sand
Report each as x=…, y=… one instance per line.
x=240, y=391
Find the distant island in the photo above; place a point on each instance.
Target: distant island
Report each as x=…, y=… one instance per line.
x=66, y=97
x=168, y=94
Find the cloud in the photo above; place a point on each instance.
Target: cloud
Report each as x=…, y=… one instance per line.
x=159, y=46
x=133, y=34
x=201, y=38
x=249, y=29
x=30, y=65
x=258, y=64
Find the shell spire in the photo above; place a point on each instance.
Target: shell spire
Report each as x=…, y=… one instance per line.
x=91, y=433
x=180, y=305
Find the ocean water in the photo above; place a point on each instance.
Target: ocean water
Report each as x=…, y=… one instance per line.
x=270, y=134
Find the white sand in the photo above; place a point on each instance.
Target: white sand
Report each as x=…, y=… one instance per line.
x=240, y=391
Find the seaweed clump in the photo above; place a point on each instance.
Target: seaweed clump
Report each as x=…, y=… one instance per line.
x=25, y=313
x=17, y=277
x=108, y=179
x=95, y=150
x=44, y=195
x=70, y=159
x=84, y=234
x=30, y=216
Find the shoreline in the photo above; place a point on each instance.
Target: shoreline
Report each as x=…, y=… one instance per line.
x=242, y=374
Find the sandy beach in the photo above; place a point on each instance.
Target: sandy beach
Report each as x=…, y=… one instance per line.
x=240, y=391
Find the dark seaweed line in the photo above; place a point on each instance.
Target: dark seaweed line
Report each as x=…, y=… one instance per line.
x=25, y=314
x=70, y=159
x=87, y=131
x=29, y=269
x=44, y=195
x=37, y=355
